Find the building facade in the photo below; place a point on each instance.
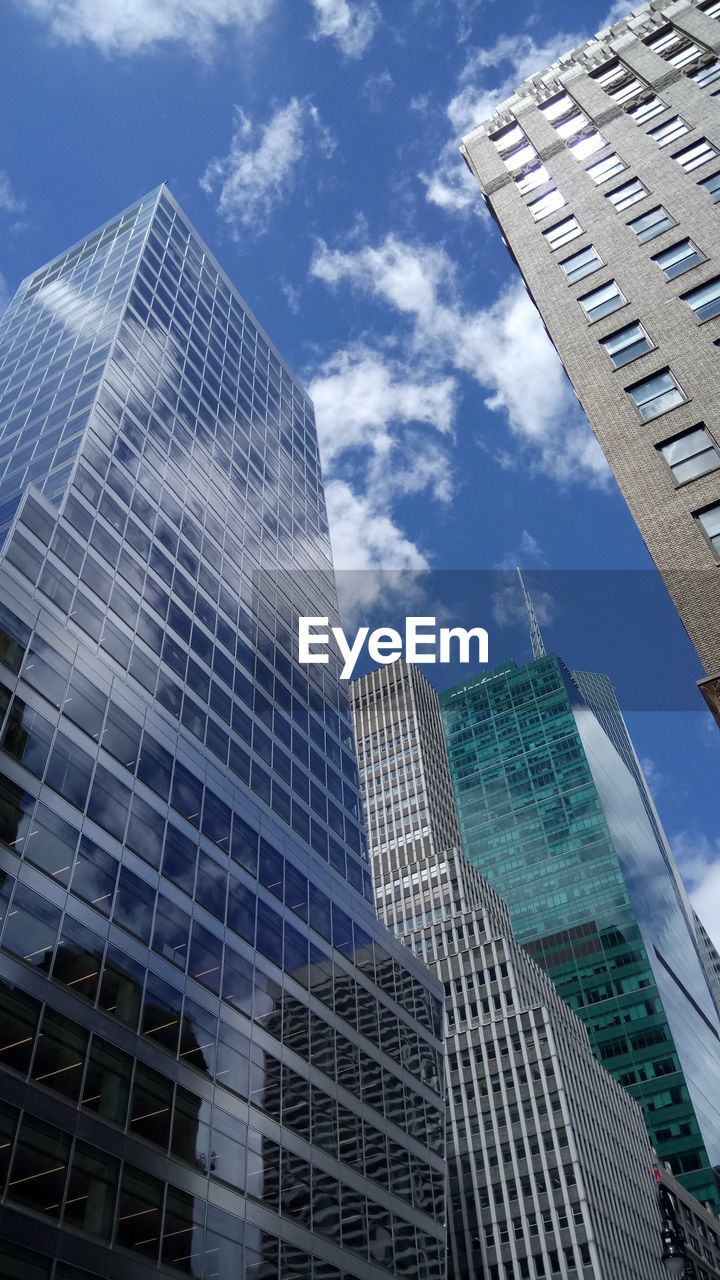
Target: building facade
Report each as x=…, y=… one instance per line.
x=710, y=958
x=551, y=814
x=603, y=173
x=213, y=1059
x=550, y=1165
x=700, y=1228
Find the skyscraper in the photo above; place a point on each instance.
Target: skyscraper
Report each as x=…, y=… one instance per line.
x=213, y=1057
x=603, y=172
x=552, y=813
x=550, y=1164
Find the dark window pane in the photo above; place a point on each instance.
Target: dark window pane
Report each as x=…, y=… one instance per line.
x=171, y=932
x=121, y=986
x=183, y=1233
x=94, y=876
x=60, y=1055
x=269, y=933
x=139, y=1213
x=179, y=858
x=155, y=766
x=241, y=911
x=187, y=792
x=31, y=928
x=205, y=958
x=109, y=802
x=233, y=1061
x=39, y=1169
x=85, y=705
x=78, y=957
x=19, y=1018
x=121, y=737
x=161, y=1013
x=212, y=886
x=46, y=671
x=14, y=638
x=146, y=831
x=92, y=1191
x=107, y=1082
x=50, y=844
x=69, y=771
x=244, y=846
x=151, y=1107
x=27, y=737
x=198, y=1033
x=134, y=904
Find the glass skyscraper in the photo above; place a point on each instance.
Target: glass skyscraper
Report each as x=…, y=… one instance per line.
x=552, y=814
x=213, y=1058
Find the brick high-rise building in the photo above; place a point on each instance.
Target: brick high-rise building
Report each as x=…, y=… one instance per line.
x=214, y=1059
x=603, y=173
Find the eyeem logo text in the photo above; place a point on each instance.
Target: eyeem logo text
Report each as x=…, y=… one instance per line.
x=422, y=642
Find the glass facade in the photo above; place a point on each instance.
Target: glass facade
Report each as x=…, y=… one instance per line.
x=553, y=815
x=213, y=1058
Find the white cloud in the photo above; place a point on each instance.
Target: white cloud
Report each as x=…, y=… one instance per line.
x=654, y=777
x=9, y=202
x=364, y=536
x=359, y=395
x=377, y=89
x=503, y=347
x=134, y=26
x=510, y=610
x=258, y=171
x=621, y=9
x=528, y=552
x=699, y=861
x=351, y=24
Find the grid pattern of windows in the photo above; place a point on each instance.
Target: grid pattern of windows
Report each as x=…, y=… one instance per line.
x=691, y=454
x=186, y=890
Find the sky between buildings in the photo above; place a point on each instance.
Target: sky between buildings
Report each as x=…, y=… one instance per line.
x=314, y=143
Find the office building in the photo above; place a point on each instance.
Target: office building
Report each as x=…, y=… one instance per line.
x=709, y=957
x=700, y=1228
x=214, y=1060
x=603, y=173
x=552, y=814
x=550, y=1165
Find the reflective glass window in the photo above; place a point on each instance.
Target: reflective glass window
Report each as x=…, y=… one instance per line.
x=691, y=454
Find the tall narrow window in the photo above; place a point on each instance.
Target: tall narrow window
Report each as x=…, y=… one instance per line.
x=656, y=394
x=691, y=454
x=710, y=523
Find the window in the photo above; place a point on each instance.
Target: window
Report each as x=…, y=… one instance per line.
x=691, y=454
x=647, y=110
x=558, y=107
x=678, y=258
x=707, y=74
x=652, y=224
x=549, y=203
x=602, y=302
x=618, y=82
x=569, y=229
x=656, y=394
x=581, y=264
x=711, y=8
x=535, y=177
x=669, y=131
x=674, y=47
x=605, y=169
x=699, y=153
x=705, y=300
x=508, y=138
x=712, y=185
x=519, y=156
x=587, y=145
x=710, y=523
x=626, y=195
x=626, y=344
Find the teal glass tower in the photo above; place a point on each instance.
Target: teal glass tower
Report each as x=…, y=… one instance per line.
x=214, y=1060
x=555, y=813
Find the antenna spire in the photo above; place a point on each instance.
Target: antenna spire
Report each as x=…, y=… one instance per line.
x=536, y=639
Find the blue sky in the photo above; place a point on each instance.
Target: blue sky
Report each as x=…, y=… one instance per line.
x=314, y=145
